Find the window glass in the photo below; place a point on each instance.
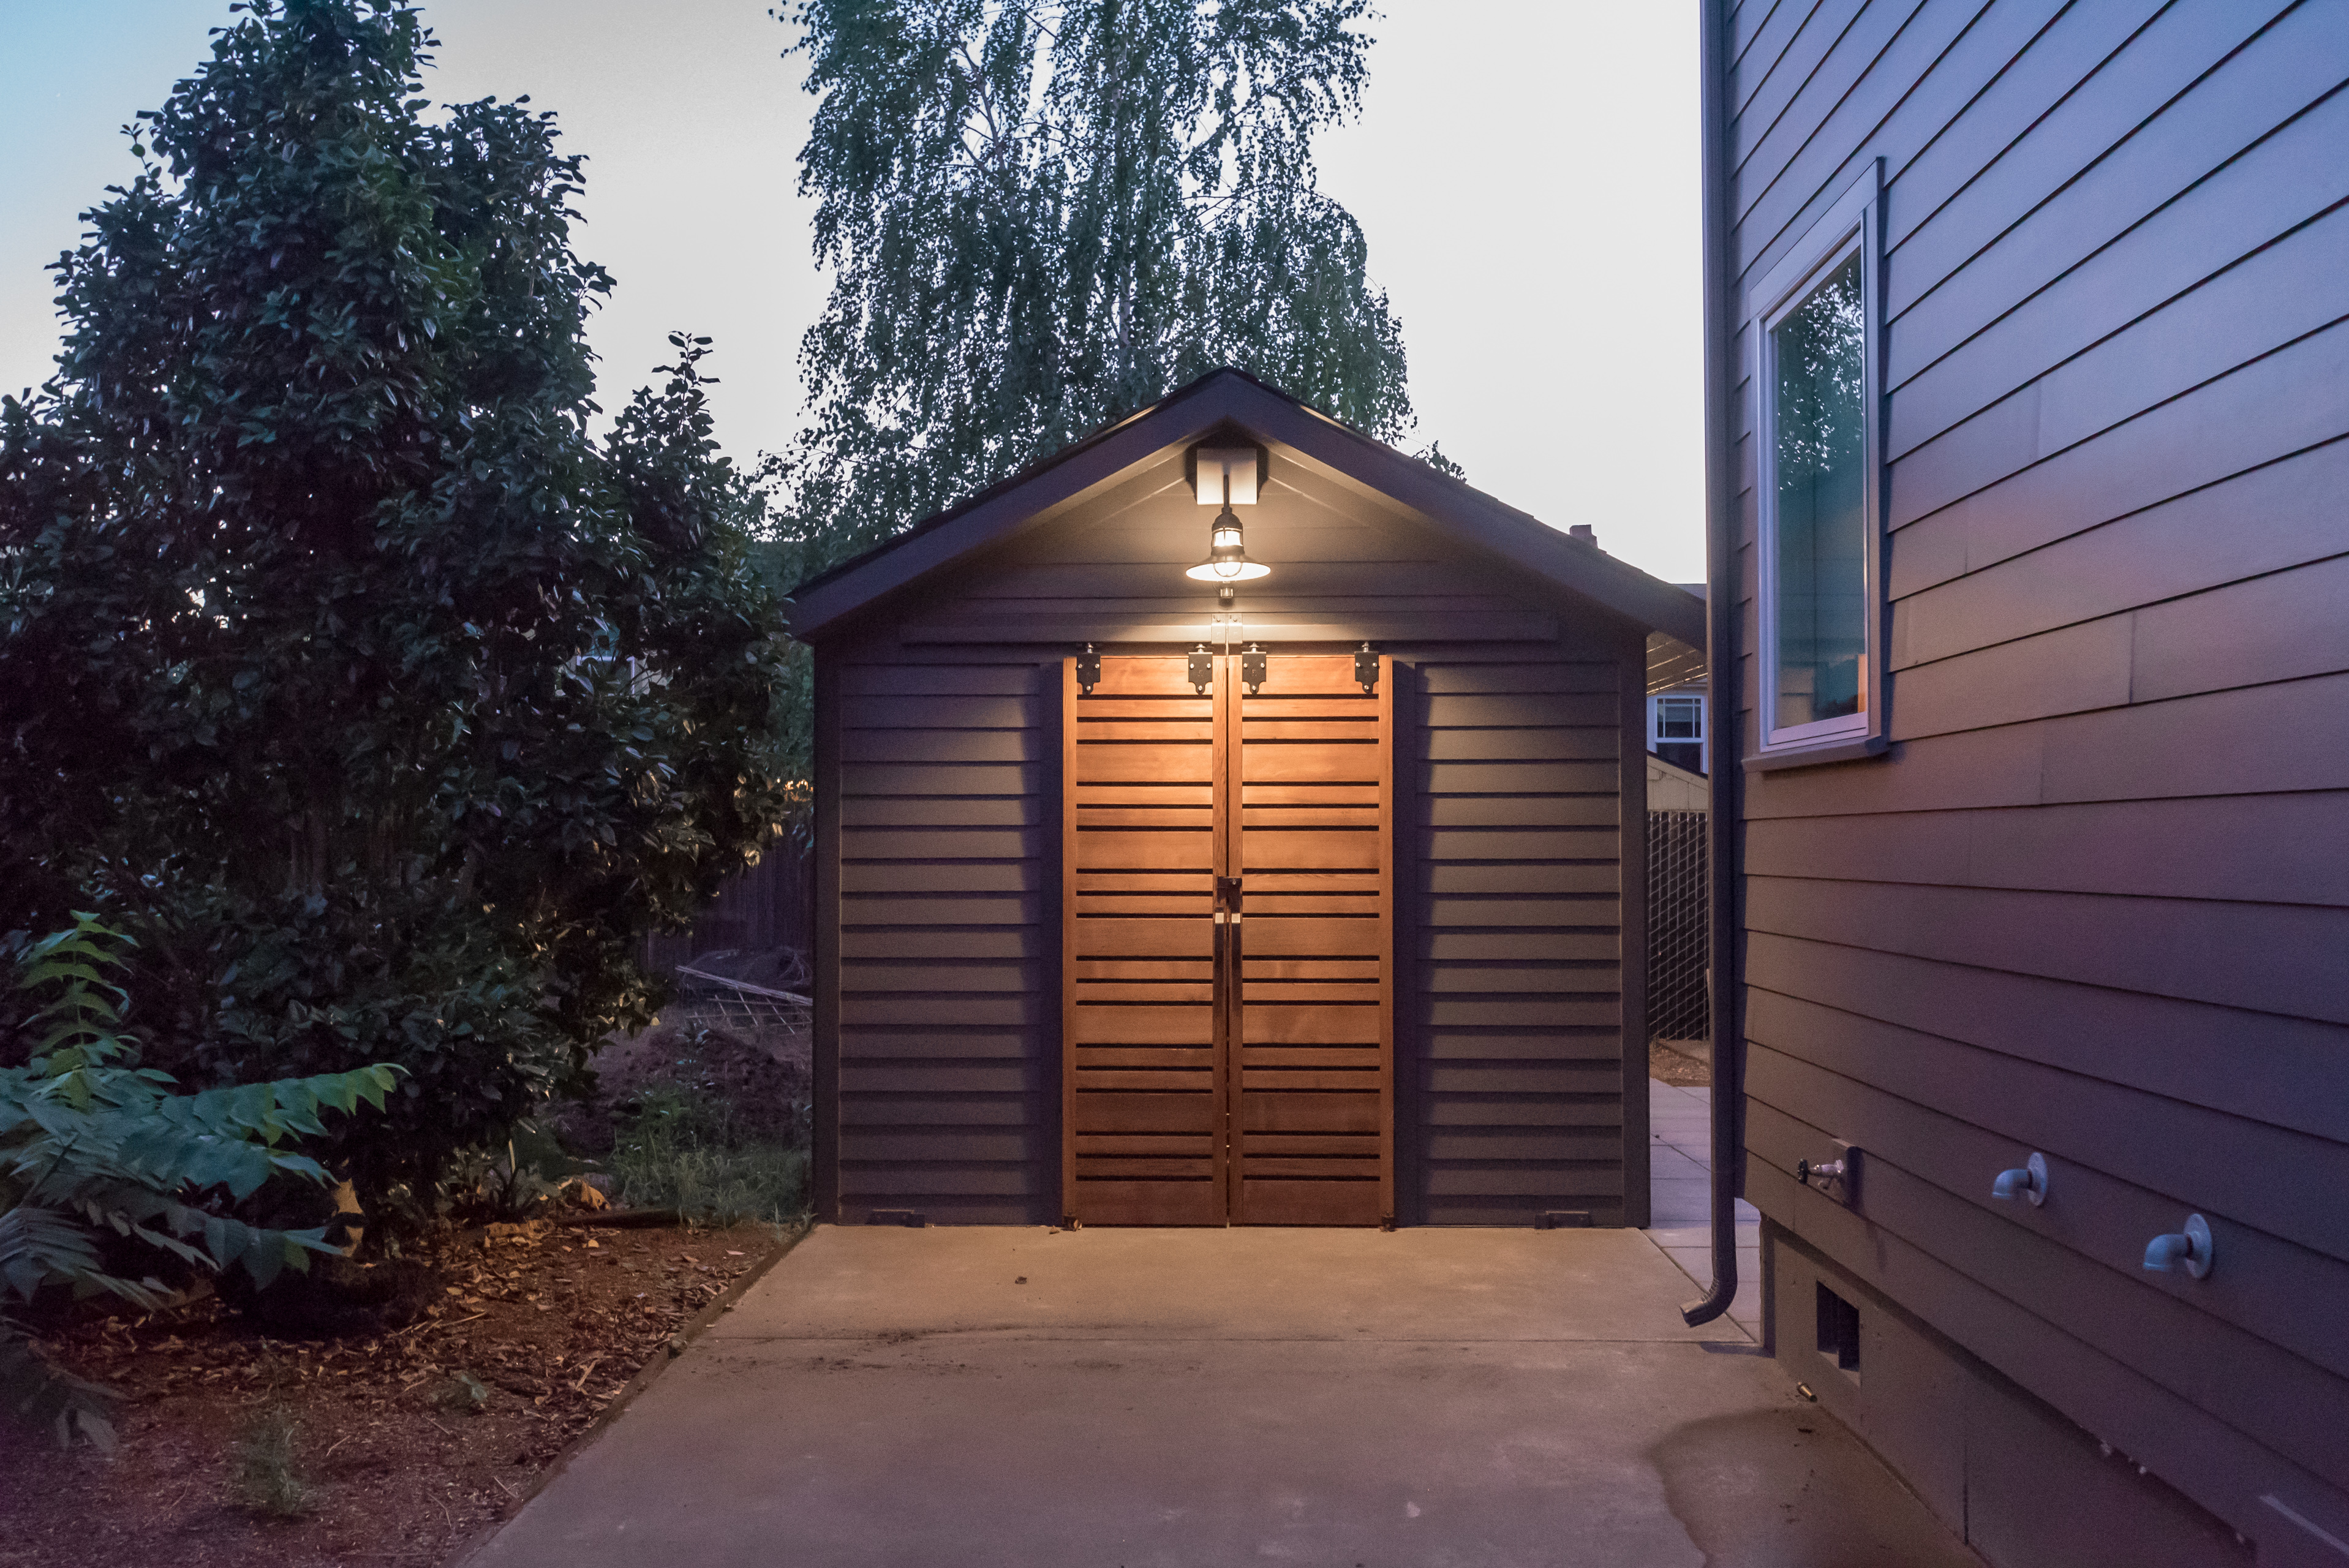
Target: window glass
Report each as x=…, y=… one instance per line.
x=1680, y=718
x=1821, y=555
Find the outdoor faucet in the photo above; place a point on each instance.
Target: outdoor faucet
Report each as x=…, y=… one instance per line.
x=2029, y=1181
x=2192, y=1248
x=1839, y=1179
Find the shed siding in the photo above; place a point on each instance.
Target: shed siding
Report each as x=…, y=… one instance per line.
x=2096, y=898
x=946, y=958
x=1511, y=773
x=1516, y=914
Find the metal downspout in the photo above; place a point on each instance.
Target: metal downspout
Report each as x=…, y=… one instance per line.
x=1722, y=669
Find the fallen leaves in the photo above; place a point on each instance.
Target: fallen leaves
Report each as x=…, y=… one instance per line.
x=549, y=1336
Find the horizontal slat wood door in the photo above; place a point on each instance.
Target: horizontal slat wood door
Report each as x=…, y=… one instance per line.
x=1313, y=1092
x=1227, y=1059
x=1144, y=1099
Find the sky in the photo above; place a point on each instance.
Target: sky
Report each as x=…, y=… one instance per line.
x=1526, y=172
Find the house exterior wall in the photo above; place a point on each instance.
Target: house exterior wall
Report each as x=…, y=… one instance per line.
x=2092, y=901
x=1519, y=763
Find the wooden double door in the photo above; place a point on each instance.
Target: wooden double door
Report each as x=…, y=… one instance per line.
x=1227, y=919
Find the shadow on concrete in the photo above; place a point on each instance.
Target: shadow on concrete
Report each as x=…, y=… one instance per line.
x=1793, y=1488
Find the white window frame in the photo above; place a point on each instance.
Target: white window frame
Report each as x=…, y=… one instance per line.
x=1655, y=718
x=1852, y=226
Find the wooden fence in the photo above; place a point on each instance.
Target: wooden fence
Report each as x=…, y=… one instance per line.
x=761, y=908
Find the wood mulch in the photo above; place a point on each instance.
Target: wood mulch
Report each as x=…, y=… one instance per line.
x=405, y=1460
x=1678, y=1067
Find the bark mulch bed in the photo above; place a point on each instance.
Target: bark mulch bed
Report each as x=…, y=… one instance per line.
x=410, y=1442
x=1678, y=1067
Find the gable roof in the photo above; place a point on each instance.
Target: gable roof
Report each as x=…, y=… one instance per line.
x=1226, y=397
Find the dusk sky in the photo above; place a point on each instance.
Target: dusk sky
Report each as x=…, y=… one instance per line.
x=1526, y=171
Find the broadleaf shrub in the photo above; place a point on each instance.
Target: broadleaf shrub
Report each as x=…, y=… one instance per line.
x=93, y=1146
x=341, y=663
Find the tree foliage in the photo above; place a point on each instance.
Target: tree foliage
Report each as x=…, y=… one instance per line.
x=1041, y=214
x=339, y=660
x=94, y=1146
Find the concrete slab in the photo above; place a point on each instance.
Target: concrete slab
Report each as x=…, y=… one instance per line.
x=1430, y=1284
x=1696, y=1230
x=1680, y=1199
x=1680, y=1166
x=1179, y=1398
x=1663, y=1160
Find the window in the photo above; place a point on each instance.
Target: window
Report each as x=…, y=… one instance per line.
x=1820, y=571
x=1675, y=718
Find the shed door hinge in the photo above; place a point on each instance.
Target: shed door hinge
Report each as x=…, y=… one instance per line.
x=1203, y=669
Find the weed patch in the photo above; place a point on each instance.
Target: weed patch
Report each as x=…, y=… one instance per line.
x=263, y=1474
x=678, y=1150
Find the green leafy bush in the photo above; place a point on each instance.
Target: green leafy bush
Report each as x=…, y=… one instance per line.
x=384, y=704
x=93, y=1146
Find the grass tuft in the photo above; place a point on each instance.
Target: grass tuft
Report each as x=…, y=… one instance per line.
x=678, y=1151
x=263, y=1475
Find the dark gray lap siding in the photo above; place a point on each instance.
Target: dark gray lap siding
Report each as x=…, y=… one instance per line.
x=1508, y=1038
x=2092, y=902
x=1511, y=1042
x=947, y=1014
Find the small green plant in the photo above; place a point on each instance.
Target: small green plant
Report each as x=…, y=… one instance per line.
x=263, y=1472
x=464, y=1393
x=494, y=1183
x=92, y=1144
x=675, y=1152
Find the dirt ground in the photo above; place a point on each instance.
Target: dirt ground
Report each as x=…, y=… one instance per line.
x=409, y=1442
x=1677, y=1067
x=762, y=1077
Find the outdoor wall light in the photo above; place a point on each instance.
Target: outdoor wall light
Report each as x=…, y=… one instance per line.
x=1227, y=478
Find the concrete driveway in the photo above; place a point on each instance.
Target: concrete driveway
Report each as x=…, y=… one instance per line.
x=982, y=1396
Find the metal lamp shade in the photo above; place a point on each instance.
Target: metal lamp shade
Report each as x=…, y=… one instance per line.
x=1227, y=559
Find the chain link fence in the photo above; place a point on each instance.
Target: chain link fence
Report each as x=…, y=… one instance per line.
x=1678, y=949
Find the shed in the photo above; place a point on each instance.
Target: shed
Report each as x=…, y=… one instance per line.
x=1142, y=902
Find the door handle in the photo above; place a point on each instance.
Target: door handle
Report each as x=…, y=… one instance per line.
x=1228, y=895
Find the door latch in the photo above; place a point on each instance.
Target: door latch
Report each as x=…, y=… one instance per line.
x=1228, y=895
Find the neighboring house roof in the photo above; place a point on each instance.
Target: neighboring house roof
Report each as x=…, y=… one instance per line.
x=1673, y=664
x=1221, y=400
x=1672, y=788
